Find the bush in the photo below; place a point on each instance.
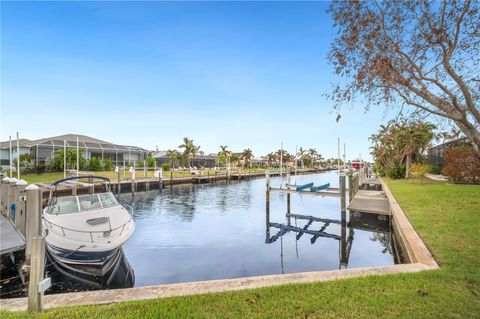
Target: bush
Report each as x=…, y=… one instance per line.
x=40, y=168
x=462, y=165
x=26, y=157
x=150, y=161
x=418, y=170
x=396, y=172
x=435, y=169
x=27, y=166
x=94, y=164
x=166, y=167
x=107, y=165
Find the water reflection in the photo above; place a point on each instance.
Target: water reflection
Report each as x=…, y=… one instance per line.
x=341, y=230
x=214, y=231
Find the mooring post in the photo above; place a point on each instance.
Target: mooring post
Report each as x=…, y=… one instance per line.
x=132, y=170
x=357, y=184
x=33, y=221
x=350, y=185
x=267, y=198
x=35, y=288
x=160, y=179
x=4, y=195
x=119, y=187
x=11, y=198
x=20, y=200
x=288, y=200
x=171, y=179
x=343, y=241
x=342, y=191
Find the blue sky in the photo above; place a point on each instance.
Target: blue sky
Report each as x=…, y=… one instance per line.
x=248, y=74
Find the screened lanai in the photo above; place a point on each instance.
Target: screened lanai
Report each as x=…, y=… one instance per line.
x=89, y=147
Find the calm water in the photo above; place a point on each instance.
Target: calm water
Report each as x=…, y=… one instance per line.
x=214, y=231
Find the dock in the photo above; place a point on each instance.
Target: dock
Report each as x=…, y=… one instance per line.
x=11, y=241
x=366, y=201
x=372, y=184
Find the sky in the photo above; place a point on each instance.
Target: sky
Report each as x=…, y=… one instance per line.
x=242, y=74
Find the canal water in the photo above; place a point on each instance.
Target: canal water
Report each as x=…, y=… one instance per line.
x=216, y=231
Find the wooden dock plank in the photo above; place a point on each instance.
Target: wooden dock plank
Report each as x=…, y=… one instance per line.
x=370, y=202
x=11, y=240
x=372, y=181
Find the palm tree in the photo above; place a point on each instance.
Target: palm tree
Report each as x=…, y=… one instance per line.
x=195, y=151
x=312, y=153
x=173, y=157
x=223, y=150
x=247, y=155
x=271, y=157
x=301, y=154
x=71, y=159
x=188, y=149
x=224, y=154
x=414, y=139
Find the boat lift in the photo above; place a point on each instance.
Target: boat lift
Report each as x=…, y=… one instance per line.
x=317, y=227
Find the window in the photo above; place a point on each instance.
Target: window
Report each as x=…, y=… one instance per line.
x=89, y=202
x=64, y=205
x=108, y=200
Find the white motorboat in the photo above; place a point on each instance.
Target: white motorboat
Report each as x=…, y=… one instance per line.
x=85, y=234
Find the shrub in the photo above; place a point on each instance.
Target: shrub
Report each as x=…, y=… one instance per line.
x=107, y=165
x=418, y=170
x=27, y=166
x=40, y=168
x=166, y=167
x=139, y=164
x=150, y=161
x=462, y=165
x=435, y=169
x=396, y=172
x=26, y=157
x=94, y=164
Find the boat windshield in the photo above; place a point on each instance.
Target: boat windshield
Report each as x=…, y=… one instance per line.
x=64, y=205
x=89, y=202
x=108, y=200
x=75, y=204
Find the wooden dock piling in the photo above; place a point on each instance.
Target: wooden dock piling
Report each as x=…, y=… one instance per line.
x=20, y=199
x=343, y=192
x=35, y=296
x=33, y=218
x=11, y=197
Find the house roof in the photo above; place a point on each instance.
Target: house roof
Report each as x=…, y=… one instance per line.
x=71, y=141
x=22, y=142
x=458, y=141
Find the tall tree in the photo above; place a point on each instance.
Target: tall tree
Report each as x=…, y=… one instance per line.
x=247, y=155
x=224, y=154
x=312, y=154
x=173, y=157
x=397, y=144
x=188, y=149
x=418, y=53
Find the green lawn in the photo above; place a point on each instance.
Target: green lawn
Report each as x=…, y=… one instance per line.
x=446, y=216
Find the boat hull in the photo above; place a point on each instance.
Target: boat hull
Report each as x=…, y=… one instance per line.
x=114, y=270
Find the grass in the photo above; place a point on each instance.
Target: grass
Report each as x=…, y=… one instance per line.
x=139, y=174
x=446, y=216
